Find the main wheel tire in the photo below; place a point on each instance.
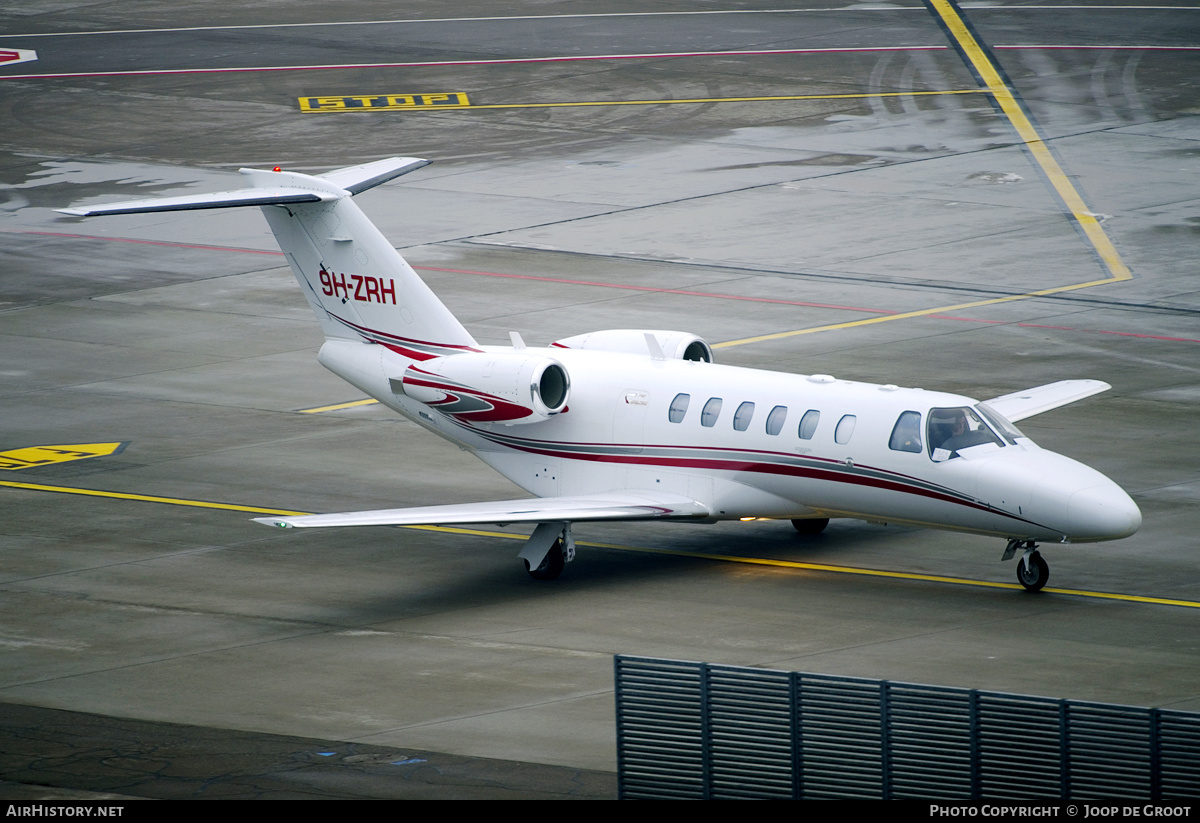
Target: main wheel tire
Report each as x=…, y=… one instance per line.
x=552, y=566
x=811, y=525
x=1034, y=574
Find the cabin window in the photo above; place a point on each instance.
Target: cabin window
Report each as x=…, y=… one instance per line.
x=776, y=419
x=808, y=424
x=679, y=408
x=710, y=413
x=952, y=430
x=906, y=435
x=845, y=428
x=741, y=417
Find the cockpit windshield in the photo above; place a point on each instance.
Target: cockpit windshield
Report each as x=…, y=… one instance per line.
x=954, y=429
x=1000, y=423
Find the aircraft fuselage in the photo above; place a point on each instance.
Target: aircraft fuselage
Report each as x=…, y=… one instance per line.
x=618, y=433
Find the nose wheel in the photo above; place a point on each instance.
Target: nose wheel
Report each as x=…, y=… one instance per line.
x=1032, y=571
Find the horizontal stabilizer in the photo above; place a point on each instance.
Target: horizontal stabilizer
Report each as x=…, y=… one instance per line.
x=1022, y=404
x=216, y=200
x=613, y=506
x=357, y=179
x=271, y=188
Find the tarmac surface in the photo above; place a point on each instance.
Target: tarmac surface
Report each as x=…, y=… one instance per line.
x=885, y=222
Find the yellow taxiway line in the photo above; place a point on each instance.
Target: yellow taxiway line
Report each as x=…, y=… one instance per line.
x=720, y=558
x=991, y=301
x=340, y=104
x=1033, y=142
x=339, y=406
x=771, y=99
x=146, y=498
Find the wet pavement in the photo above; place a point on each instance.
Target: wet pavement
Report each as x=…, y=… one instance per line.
x=777, y=228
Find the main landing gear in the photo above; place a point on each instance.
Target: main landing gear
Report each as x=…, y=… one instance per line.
x=812, y=525
x=548, y=550
x=1032, y=569
x=552, y=566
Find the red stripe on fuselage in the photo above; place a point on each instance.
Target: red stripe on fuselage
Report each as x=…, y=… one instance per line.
x=904, y=486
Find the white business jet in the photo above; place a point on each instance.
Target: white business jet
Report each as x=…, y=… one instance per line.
x=642, y=425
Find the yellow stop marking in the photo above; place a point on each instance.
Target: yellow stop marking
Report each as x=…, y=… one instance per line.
x=32, y=456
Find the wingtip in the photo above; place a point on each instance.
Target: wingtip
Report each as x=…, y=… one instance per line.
x=273, y=521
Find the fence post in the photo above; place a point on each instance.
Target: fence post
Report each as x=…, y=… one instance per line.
x=1064, y=750
x=885, y=748
x=706, y=745
x=976, y=755
x=795, y=690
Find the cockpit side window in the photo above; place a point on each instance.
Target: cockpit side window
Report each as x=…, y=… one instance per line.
x=906, y=435
x=951, y=430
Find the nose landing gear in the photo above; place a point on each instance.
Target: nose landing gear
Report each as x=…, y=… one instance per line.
x=1032, y=569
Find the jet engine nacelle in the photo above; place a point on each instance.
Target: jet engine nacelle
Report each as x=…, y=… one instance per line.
x=675, y=345
x=490, y=387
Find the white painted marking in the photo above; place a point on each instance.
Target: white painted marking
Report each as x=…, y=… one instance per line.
x=493, y=62
x=571, y=17
x=455, y=20
x=10, y=57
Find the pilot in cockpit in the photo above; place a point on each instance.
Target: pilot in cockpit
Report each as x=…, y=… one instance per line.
x=953, y=430
x=945, y=424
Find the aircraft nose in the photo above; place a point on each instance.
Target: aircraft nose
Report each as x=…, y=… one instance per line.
x=1103, y=512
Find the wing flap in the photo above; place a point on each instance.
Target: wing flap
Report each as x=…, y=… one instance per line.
x=612, y=506
x=1022, y=404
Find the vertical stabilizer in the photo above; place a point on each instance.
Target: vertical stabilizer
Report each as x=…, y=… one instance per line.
x=358, y=285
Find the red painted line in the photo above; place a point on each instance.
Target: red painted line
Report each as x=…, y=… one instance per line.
x=684, y=292
x=148, y=242
x=1147, y=336
x=563, y=280
x=964, y=319
x=1068, y=328
x=1039, y=326
x=563, y=59
x=1103, y=48
x=498, y=62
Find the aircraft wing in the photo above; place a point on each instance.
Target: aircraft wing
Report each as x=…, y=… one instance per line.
x=1022, y=404
x=621, y=505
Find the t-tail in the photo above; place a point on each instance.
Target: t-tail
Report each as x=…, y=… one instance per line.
x=358, y=285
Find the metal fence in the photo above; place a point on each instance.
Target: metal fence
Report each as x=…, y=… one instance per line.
x=699, y=730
